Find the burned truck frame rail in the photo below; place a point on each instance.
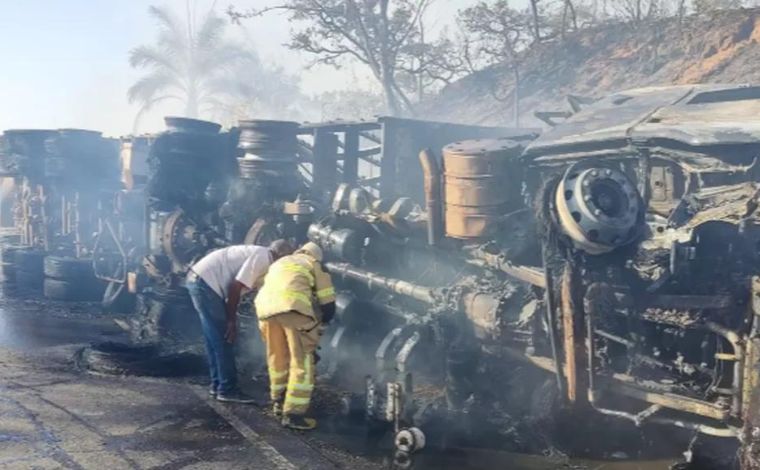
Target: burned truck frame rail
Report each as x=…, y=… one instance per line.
x=621, y=384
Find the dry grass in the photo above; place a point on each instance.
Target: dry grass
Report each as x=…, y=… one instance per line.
x=724, y=47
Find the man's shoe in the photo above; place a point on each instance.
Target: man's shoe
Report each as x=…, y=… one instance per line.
x=234, y=396
x=212, y=392
x=299, y=422
x=277, y=409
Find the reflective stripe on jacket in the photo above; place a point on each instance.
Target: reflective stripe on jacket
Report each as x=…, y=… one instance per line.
x=294, y=283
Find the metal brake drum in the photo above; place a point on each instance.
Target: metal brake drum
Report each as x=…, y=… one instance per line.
x=599, y=208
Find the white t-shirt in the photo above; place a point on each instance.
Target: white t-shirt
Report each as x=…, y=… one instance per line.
x=245, y=263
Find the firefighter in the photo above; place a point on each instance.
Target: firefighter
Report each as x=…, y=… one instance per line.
x=290, y=326
x=215, y=284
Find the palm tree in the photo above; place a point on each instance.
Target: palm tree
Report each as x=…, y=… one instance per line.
x=188, y=63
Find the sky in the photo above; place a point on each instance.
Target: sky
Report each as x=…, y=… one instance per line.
x=65, y=62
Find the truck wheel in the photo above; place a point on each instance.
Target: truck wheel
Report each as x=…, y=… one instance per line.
x=118, y=299
x=28, y=282
x=145, y=360
x=8, y=253
x=68, y=268
x=29, y=260
x=8, y=271
x=168, y=313
x=8, y=262
x=544, y=414
x=57, y=289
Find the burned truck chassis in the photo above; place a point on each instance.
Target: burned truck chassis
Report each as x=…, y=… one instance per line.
x=621, y=271
x=631, y=279
x=429, y=323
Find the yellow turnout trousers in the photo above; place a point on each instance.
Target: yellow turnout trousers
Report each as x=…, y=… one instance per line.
x=291, y=339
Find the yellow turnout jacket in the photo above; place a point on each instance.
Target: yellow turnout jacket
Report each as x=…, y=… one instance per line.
x=294, y=283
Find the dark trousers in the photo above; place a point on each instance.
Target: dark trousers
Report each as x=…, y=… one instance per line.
x=221, y=354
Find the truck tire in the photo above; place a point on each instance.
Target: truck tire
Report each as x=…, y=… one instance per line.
x=8, y=262
x=8, y=253
x=29, y=260
x=68, y=268
x=28, y=282
x=57, y=289
x=118, y=299
x=145, y=360
x=8, y=272
x=167, y=313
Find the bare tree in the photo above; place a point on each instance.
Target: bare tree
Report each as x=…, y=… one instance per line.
x=425, y=67
x=551, y=18
x=568, y=13
x=681, y=10
x=706, y=6
x=536, y=20
x=637, y=11
x=347, y=104
x=501, y=34
x=630, y=10
x=384, y=35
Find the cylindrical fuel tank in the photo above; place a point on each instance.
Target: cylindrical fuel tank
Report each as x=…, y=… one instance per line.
x=481, y=183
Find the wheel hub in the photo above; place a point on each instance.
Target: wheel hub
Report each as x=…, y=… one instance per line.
x=598, y=208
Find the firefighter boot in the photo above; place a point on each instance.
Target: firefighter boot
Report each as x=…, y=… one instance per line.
x=299, y=422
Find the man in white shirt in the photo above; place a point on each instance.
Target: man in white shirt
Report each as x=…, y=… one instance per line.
x=215, y=284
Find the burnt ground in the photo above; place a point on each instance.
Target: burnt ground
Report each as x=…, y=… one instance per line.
x=55, y=415
x=718, y=47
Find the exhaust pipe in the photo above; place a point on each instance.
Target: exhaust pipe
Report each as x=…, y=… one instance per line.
x=432, y=179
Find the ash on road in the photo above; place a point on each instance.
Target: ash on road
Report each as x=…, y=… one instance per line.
x=55, y=416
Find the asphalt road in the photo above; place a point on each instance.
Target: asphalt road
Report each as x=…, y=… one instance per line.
x=53, y=415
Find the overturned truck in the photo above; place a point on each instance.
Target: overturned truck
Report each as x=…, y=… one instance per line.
x=617, y=253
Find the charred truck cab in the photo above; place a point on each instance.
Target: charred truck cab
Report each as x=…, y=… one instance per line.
x=618, y=252
x=649, y=202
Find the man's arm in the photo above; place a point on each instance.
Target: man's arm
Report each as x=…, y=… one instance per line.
x=325, y=293
x=247, y=278
x=230, y=307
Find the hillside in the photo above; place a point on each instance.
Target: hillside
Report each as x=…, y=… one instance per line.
x=724, y=47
